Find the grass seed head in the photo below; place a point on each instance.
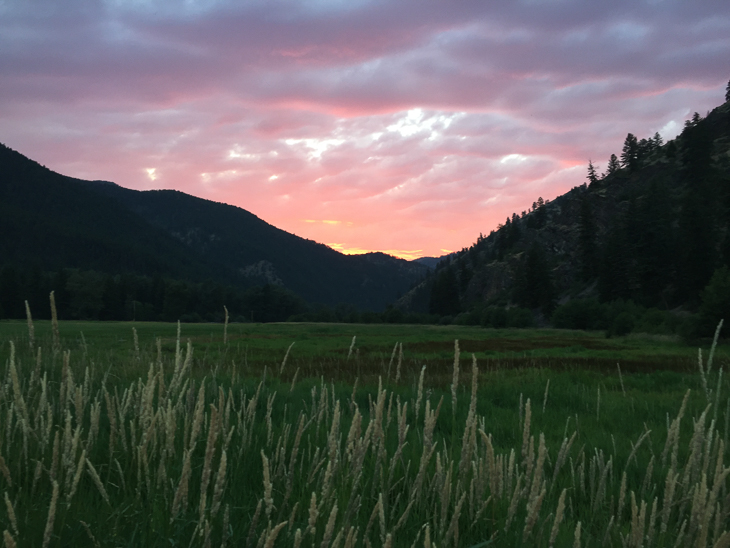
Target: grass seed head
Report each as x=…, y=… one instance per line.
x=526, y=430
x=313, y=515
x=576, y=537
x=54, y=324
x=11, y=514
x=219, y=484
x=330, y=527
x=268, y=498
x=455, y=376
x=5, y=471
x=51, y=516
x=31, y=328
x=558, y=518
x=7, y=537
x=97, y=481
x=271, y=537
x=180, y=500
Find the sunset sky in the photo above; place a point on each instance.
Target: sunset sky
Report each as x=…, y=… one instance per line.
x=400, y=126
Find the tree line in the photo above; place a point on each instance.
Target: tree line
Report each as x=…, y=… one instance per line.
x=93, y=295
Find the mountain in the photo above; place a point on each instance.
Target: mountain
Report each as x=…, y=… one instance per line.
x=652, y=232
x=51, y=221
x=430, y=262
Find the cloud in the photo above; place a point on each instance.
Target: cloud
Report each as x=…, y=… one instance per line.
x=397, y=126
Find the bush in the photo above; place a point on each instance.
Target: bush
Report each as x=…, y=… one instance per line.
x=658, y=322
x=689, y=330
x=473, y=317
x=715, y=301
x=191, y=317
x=520, y=317
x=393, y=315
x=586, y=314
x=370, y=317
x=623, y=324
x=494, y=316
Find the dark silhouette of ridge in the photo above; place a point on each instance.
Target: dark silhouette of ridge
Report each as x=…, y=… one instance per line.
x=52, y=221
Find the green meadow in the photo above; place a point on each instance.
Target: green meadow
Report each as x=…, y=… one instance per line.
x=121, y=434
x=321, y=348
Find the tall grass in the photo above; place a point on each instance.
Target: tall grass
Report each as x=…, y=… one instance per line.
x=171, y=458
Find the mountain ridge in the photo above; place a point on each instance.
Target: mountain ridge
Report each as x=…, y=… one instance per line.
x=651, y=232
x=54, y=221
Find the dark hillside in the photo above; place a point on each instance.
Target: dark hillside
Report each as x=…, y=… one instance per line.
x=49, y=221
x=53, y=221
x=650, y=232
x=260, y=253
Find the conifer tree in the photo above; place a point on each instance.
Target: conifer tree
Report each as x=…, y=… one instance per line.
x=613, y=165
x=644, y=148
x=727, y=92
x=540, y=213
x=630, y=153
x=592, y=175
x=692, y=122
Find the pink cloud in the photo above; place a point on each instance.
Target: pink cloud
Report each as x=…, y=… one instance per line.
x=416, y=125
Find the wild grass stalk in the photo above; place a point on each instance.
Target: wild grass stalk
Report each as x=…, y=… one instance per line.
x=51, y=516
x=54, y=324
x=283, y=362
x=455, y=377
x=352, y=346
x=225, y=325
x=31, y=329
x=8, y=539
x=11, y=515
x=545, y=396
x=621, y=380
x=400, y=361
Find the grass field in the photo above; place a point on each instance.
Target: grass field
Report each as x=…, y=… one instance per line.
x=384, y=439
x=322, y=346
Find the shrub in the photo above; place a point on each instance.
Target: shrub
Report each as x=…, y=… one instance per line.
x=586, y=314
x=494, y=316
x=393, y=315
x=715, y=301
x=473, y=317
x=660, y=322
x=520, y=317
x=623, y=324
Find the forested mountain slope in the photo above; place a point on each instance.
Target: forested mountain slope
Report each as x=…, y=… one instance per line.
x=49, y=221
x=652, y=230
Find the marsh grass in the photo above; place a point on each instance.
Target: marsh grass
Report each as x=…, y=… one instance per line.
x=124, y=441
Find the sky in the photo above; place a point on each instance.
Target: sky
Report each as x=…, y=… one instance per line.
x=402, y=126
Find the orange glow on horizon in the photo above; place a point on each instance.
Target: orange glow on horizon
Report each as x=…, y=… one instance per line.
x=401, y=254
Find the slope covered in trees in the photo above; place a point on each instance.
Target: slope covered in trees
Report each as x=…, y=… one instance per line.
x=646, y=236
x=50, y=223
